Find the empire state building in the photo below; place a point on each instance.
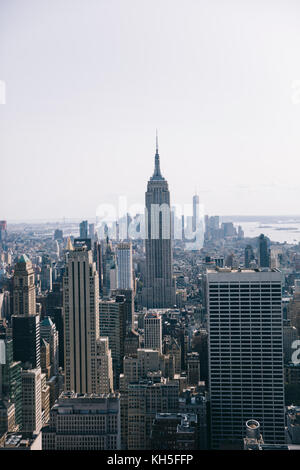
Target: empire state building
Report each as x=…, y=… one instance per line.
x=159, y=288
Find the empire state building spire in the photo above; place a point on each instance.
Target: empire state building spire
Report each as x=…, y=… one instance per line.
x=157, y=176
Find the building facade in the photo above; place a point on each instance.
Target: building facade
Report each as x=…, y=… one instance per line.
x=84, y=422
x=245, y=353
x=81, y=321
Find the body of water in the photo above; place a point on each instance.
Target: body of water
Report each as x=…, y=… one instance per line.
x=287, y=231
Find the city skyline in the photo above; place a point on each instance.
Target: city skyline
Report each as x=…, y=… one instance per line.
x=149, y=228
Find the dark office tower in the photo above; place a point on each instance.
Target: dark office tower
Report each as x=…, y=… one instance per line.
x=3, y=230
x=229, y=260
x=195, y=212
x=200, y=345
x=174, y=431
x=128, y=295
x=109, y=268
x=50, y=334
x=58, y=235
x=113, y=324
x=10, y=379
x=26, y=340
x=58, y=319
x=159, y=290
x=81, y=321
x=54, y=299
x=97, y=257
x=263, y=252
x=249, y=256
x=92, y=231
x=131, y=343
x=83, y=229
x=193, y=368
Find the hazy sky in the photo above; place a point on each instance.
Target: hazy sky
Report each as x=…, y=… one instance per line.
x=88, y=81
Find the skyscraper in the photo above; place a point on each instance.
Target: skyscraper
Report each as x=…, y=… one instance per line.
x=3, y=230
x=31, y=400
x=159, y=289
x=109, y=265
x=263, y=252
x=81, y=307
x=249, y=256
x=145, y=399
x=26, y=340
x=113, y=325
x=25, y=321
x=23, y=288
x=124, y=266
x=83, y=229
x=104, y=366
x=195, y=212
x=46, y=273
x=245, y=353
x=50, y=334
x=153, y=331
x=10, y=378
x=97, y=257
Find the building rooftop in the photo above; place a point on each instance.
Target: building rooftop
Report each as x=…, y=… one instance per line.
x=23, y=259
x=19, y=441
x=47, y=322
x=242, y=270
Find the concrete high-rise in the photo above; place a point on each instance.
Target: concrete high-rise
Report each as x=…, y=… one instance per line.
x=245, y=353
x=31, y=400
x=145, y=399
x=81, y=321
x=24, y=300
x=104, y=366
x=153, y=331
x=25, y=321
x=159, y=289
x=124, y=266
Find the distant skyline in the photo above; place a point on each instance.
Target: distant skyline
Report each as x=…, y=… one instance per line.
x=88, y=82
